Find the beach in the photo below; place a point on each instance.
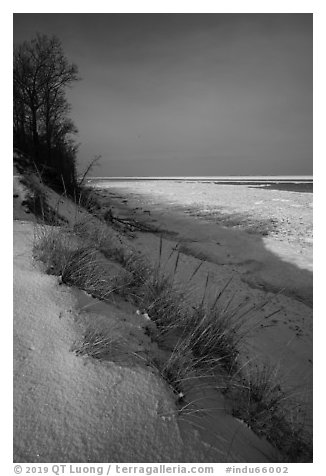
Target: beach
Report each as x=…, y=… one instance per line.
x=269, y=227
x=163, y=239
x=209, y=248
x=260, y=238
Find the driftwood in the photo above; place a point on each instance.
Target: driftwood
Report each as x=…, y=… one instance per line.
x=133, y=224
x=130, y=223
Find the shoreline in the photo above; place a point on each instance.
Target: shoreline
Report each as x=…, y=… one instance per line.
x=298, y=186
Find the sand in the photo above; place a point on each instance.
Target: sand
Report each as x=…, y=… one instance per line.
x=73, y=408
x=282, y=218
x=231, y=241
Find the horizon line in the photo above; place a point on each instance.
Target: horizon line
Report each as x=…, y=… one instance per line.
x=205, y=177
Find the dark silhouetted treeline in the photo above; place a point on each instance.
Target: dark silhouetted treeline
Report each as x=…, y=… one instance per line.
x=42, y=127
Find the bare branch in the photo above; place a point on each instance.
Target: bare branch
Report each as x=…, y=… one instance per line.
x=88, y=169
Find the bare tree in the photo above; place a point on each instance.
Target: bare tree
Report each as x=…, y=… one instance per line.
x=41, y=75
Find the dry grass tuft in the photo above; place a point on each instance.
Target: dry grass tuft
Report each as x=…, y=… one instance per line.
x=97, y=345
x=258, y=399
x=164, y=303
x=216, y=334
x=76, y=263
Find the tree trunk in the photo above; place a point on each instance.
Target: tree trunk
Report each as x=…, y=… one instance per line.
x=35, y=136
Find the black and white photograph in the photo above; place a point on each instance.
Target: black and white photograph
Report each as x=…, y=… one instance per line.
x=162, y=239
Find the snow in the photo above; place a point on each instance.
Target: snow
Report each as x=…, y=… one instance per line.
x=70, y=408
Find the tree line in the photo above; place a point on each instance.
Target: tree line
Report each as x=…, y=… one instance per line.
x=42, y=127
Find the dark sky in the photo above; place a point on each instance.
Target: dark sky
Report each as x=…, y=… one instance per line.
x=188, y=94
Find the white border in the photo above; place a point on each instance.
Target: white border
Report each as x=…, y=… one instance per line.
x=315, y=7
